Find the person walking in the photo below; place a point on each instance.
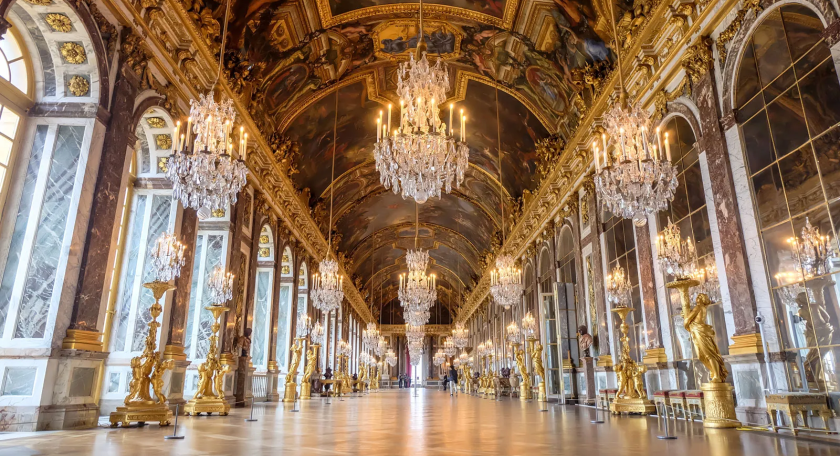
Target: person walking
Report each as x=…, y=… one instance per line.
x=453, y=377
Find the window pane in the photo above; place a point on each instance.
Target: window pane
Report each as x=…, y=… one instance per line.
x=8, y=125
x=815, y=57
x=679, y=206
x=803, y=28
x=215, y=253
x=802, y=183
x=197, y=261
x=747, y=77
x=827, y=148
x=770, y=196
x=756, y=136
x=694, y=187
x=821, y=98
x=262, y=306
x=16, y=243
x=129, y=270
x=778, y=249
x=787, y=122
x=771, y=48
x=781, y=84
x=49, y=239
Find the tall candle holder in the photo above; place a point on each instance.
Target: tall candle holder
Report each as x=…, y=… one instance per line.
x=529, y=328
x=631, y=396
x=490, y=388
x=210, y=396
x=166, y=259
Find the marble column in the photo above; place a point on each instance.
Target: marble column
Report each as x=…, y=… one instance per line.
x=103, y=227
x=746, y=338
x=654, y=352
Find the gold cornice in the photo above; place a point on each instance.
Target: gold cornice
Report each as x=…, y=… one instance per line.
x=328, y=20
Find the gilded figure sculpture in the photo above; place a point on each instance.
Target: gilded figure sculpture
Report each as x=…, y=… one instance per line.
x=525, y=385
x=311, y=358
x=703, y=338
x=211, y=374
x=536, y=358
x=296, y=349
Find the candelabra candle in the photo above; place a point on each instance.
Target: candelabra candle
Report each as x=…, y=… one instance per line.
x=506, y=282
x=529, y=326
x=676, y=255
x=343, y=348
x=618, y=287
x=304, y=325
x=220, y=285
x=513, y=333
x=167, y=257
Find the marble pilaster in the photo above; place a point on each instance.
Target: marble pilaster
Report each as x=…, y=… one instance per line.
x=726, y=211
x=94, y=277
x=598, y=278
x=647, y=284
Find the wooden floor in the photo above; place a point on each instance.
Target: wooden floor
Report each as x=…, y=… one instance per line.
x=395, y=422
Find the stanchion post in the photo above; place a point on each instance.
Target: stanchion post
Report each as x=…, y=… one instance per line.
x=596, y=420
x=294, y=405
x=175, y=435
x=667, y=435
x=251, y=417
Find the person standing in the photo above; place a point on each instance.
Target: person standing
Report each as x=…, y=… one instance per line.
x=453, y=377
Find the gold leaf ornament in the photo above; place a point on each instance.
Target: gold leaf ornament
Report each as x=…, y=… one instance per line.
x=73, y=53
x=59, y=22
x=78, y=86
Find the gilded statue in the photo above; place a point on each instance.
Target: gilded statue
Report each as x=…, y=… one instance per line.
x=703, y=338
x=623, y=375
x=311, y=358
x=537, y=359
x=156, y=379
x=293, y=367
x=638, y=384
x=220, y=376
x=520, y=363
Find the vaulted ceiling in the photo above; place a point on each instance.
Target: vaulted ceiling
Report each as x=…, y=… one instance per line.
x=320, y=65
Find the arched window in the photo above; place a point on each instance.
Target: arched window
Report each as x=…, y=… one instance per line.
x=210, y=252
x=261, y=325
x=284, y=307
x=620, y=241
x=788, y=109
x=688, y=211
x=548, y=311
x=567, y=301
x=150, y=212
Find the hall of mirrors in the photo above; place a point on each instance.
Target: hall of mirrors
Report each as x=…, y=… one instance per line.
x=157, y=260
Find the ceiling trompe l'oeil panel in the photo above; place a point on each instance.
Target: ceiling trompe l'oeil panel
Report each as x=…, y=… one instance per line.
x=320, y=65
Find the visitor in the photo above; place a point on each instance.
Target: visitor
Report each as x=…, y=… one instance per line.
x=453, y=377
x=445, y=381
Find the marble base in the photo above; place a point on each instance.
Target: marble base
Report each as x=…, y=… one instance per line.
x=141, y=413
x=639, y=405
x=720, y=406
x=208, y=405
x=66, y=417
x=588, y=366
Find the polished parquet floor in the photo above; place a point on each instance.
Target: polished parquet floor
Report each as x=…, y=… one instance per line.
x=394, y=422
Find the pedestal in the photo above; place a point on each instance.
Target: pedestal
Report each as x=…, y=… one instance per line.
x=720, y=406
x=305, y=391
x=208, y=405
x=141, y=413
x=290, y=395
x=589, y=377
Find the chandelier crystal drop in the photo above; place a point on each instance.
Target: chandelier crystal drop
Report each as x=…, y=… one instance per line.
x=414, y=334
x=677, y=256
x=327, y=286
x=635, y=180
x=506, y=282
x=618, y=287
x=304, y=325
x=203, y=172
x=167, y=257
x=513, y=333
x=460, y=335
x=316, y=335
x=343, y=348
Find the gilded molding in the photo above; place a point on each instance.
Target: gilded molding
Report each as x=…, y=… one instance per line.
x=394, y=9
x=698, y=59
x=726, y=36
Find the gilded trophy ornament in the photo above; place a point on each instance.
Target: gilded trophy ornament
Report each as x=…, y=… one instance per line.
x=78, y=86
x=73, y=53
x=58, y=22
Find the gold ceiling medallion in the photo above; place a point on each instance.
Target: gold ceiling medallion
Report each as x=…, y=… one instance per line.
x=73, y=53
x=395, y=40
x=391, y=9
x=78, y=86
x=163, y=142
x=58, y=22
x=156, y=122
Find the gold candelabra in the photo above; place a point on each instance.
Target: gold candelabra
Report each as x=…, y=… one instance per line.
x=290, y=393
x=311, y=363
x=211, y=374
x=525, y=386
x=147, y=372
x=631, y=396
x=717, y=395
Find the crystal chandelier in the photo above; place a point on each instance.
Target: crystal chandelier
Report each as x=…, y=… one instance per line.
x=449, y=347
x=463, y=358
x=414, y=333
x=420, y=157
x=167, y=257
x=506, y=282
x=327, y=286
x=815, y=251
x=439, y=358
x=482, y=350
x=417, y=291
x=220, y=285
x=709, y=282
x=304, y=325
x=203, y=172
x=529, y=326
x=513, y=333
x=391, y=358
x=343, y=348
x=676, y=255
x=635, y=180
x=381, y=346
x=618, y=287
x=460, y=335
x=456, y=363
x=370, y=336
x=316, y=335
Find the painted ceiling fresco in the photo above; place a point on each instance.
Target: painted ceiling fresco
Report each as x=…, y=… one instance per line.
x=316, y=65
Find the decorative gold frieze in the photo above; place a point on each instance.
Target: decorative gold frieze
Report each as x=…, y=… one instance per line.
x=156, y=122
x=58, y=22
x=73, y=53
x=78, y=86
x=39, y=2
x=264, y=239
x=163, y=142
